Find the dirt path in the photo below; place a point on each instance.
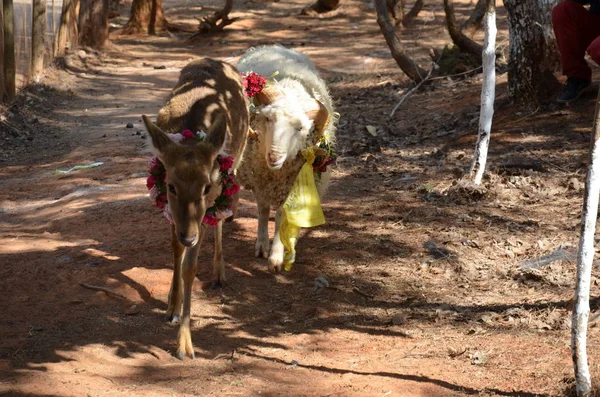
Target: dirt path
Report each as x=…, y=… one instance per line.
x=424, y=295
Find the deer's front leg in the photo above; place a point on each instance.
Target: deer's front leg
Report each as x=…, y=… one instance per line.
x=277, y=250
x=176, y=292
x=262, y=240
x=189, y=269
x=218, y=262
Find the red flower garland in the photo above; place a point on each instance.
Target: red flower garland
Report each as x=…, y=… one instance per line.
x=253, y=83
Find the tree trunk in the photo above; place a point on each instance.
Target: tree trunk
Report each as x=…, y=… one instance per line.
x=488, y=93
x=321, y=7
x=473, y=24
x=464, y=43
x=406, y=64
x=93, y=23
x=585, y=259
x=533, y=56
x=146, y=17
x=396, y=10
x=38, y=48
x=9, y=50
x=412, y=14
x=211, y=24
x=66, y=38
x=2, y=89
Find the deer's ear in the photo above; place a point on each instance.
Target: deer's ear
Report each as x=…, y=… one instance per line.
x=217, y=133
x=160, y=141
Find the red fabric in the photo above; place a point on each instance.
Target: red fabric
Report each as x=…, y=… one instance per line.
x=577, y=31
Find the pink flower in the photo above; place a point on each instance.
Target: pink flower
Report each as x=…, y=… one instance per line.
x=188, y=134
x=154, y=193
x=167, y=214
x=176, y=137
x=210, y=220
x=224, y=214
x=230, y=191
x=153, y=163
x=151, y=181
x=225, y=163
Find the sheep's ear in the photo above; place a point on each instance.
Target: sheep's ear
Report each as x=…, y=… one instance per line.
x=217, y=133
x=160, y=140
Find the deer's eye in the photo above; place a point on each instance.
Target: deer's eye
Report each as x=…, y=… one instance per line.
x=172, y=189
x=206, y=190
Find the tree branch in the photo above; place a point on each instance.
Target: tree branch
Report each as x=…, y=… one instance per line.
x=464, y=43
x=406, y=64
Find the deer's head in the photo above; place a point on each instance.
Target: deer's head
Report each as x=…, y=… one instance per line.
x=192, y=176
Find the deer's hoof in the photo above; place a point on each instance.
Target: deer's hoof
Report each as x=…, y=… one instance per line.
x=181, y=355
x=215, y=284
x=173, y=318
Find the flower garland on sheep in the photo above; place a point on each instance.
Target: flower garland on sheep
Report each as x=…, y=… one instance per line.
x=157, y=185
x=253, y=83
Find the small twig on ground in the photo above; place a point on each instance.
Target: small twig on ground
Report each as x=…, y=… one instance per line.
x=10, y=127
x=103, y=289
x=559, y=255
x=410, y=92
x=558, y=167
x=522, y=118
x=355, y=289
x=456, y=75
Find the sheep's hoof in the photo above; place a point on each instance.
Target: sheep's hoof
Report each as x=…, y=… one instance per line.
x=275, y=266
x=261, y=249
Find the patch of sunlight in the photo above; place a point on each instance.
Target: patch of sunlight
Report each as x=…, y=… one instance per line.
x=45, y=209
x=101, y=254
x=33, y=243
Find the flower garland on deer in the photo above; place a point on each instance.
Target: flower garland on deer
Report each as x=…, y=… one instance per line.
x=221, y=209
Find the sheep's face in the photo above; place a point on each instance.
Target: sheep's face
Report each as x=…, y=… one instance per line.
x=284, y=134
x=192, y=177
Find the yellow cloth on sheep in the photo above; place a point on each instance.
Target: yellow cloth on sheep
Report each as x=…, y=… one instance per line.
x=302, y=208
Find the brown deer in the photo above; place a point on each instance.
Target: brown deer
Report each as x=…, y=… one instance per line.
x=209, y=96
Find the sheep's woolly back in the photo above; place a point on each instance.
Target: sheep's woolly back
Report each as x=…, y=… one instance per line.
x=290, y=65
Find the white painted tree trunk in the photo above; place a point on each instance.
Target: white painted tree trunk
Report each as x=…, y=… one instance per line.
x=488, y=93
x=585, y=259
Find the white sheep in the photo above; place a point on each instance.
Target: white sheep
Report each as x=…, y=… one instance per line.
x=291, y=115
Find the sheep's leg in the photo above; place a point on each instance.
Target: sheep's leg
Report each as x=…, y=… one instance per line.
x=277, y=250
x=176, y=291
x=189, y=269
x=262, y=241
x=218, y=262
